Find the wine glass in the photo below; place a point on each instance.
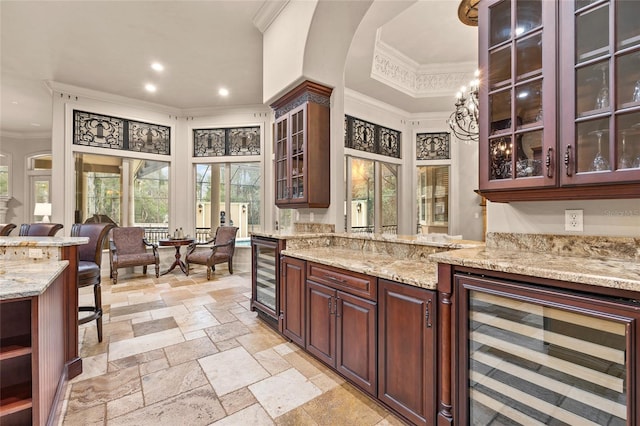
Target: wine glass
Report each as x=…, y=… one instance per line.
x=636, y=92
x=599, y=162
x=602, y=100
x=624, y=162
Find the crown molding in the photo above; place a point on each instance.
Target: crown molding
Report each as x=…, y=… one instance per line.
x=393, y=68
x=267, y=13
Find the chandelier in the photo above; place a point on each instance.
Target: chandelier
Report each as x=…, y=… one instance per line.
x=464, y=120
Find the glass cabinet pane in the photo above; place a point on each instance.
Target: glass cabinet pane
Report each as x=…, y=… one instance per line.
x=627, y=28
x=592, y=33
x=500, y=111
x=628, y=80
x=500, y=18
x=592, y=148
x=500, y=161
x=499, y=67
x=528, y=15
x=529, y=154
x=281, y=159
x=592, y=89
x=265, y=258
x=529, y=57
x=628, y=141
x=529, y=104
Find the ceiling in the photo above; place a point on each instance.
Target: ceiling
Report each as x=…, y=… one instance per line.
x=108, y=46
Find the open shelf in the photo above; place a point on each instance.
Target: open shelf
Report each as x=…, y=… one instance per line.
x=18, y=399
x=15, y=347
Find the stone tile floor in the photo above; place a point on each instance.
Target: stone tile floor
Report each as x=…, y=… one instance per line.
x=186, y=351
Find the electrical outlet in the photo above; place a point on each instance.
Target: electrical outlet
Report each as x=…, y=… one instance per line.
x=573, y=221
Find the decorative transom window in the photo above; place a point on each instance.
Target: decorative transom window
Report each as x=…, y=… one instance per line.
x=369, y=137
x=432, y=146
x=226, y=142
x=104, y=131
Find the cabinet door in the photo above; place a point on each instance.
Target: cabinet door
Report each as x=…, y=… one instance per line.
x=406, y=350
x=356, y=340
x=517, y=94
x=298, y=156
x=321, y=339
x=293, y=300
x=281, y=150
x=601, y=98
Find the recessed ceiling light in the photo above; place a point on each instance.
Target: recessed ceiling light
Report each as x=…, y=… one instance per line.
x=35, y=124
x=223, y=92
x=14, y=102
x=157, y=66
x=150, y=87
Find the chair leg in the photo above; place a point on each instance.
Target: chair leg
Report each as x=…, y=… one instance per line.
x=114, y=274
x=209, y=273
x=157, y=270
x=230, y=266
x=144, y=269
x=97, y=297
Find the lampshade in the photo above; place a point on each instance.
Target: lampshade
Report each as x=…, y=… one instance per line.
x=44, y=210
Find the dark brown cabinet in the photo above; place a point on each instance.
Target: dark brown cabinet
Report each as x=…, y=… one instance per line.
x=566, y=128
x=407, y=350
x=341, y=327
x=292, y=304
x=301, y=147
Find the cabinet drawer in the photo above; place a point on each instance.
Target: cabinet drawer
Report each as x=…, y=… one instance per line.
x=351, y=282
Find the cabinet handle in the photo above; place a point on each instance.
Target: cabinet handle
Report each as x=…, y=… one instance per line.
x=548, y=161
x=427, y=315
x=567, y=155
x=334, y=279
x=330, y=313
x=336, y=307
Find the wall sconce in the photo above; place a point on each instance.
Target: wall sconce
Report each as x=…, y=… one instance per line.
x=244, y=209
x=359, y=207
x=44, y=210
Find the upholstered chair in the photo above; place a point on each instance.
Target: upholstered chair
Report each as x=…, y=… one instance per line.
x=45, y=229
x=6, y=228
x=89, y=267
x=128, y=247
x=221, y=251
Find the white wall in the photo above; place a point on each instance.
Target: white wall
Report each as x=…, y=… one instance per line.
x=601, y=217
x=20, y=147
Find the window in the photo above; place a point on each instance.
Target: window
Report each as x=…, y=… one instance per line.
x=372, y=196
x=126, y=191
x=228, y=194
x=5, y=176
x=433, y=199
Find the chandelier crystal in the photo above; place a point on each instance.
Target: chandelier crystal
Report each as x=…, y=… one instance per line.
x=464, y=120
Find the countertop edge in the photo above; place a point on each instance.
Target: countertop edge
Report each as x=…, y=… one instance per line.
x=27, y=282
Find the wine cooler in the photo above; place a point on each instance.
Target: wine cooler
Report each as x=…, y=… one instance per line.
x=537, y=356
x=265, y=258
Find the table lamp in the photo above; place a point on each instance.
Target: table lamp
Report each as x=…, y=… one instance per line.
x=44, y=210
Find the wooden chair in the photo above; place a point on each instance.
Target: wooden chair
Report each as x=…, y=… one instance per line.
x=39, y=229
x=89, y=267
x=6, y=228
x=221, y=251
x=128, y=247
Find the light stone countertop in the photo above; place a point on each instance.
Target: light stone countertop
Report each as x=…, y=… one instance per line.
x=28, y=278
x=598, y=271
x=415, y=272
x=42, y=241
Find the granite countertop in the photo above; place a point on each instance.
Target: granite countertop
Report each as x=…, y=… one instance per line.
x=415, y=272
x=42, y=241
x=598, y=271
x=26, y=278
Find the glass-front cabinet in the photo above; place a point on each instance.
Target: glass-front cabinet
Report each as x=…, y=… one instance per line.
x=559, y=99
x=517, y=62
x=601, y=94
x=301, y=147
